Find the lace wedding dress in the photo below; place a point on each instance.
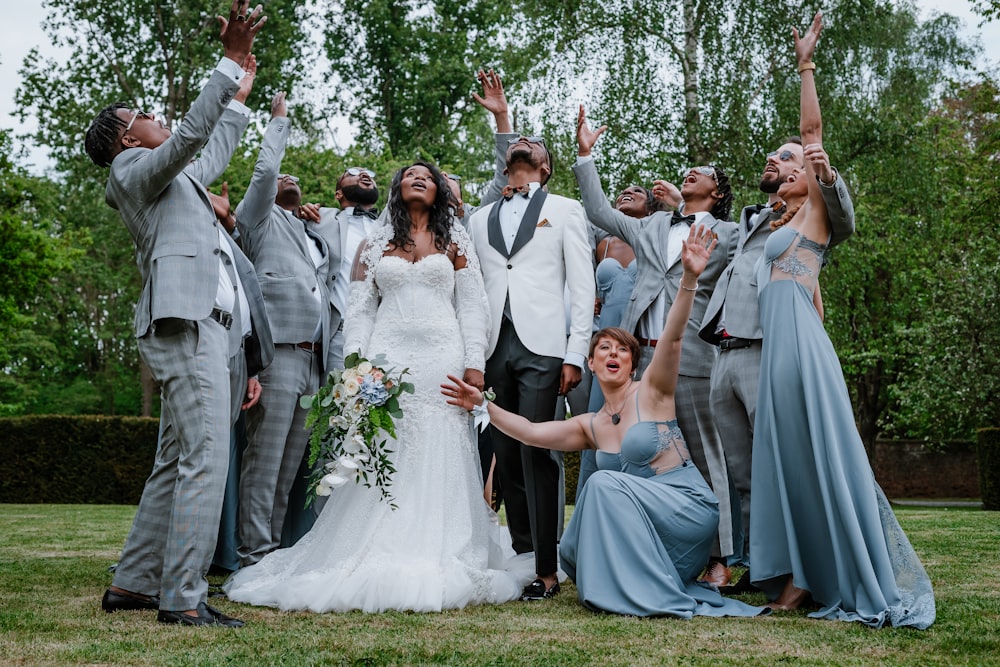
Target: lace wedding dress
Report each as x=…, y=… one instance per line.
x=442, y=548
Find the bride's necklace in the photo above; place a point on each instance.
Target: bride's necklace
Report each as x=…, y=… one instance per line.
x=616, y=416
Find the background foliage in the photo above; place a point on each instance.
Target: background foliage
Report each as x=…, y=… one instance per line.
x=910, y=123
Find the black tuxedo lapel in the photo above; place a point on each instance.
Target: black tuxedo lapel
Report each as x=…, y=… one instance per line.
x=527, y=229
x=493, y=229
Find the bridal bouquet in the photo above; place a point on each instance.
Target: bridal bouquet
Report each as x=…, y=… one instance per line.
x=351, y=419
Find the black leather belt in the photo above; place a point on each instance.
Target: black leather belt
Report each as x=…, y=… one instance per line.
x=312, y=347
x=222, y=317
x=731, y=343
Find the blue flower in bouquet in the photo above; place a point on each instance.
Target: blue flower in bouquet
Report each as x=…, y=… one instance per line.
x=373, y=391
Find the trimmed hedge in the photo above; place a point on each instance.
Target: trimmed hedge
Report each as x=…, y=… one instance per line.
x=988, y=453
x=76, y=459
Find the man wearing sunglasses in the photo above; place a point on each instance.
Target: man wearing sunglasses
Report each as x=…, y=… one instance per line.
x=732, y=319
x=535, y=254
x=190, y=321
x=706, y=198
x=293, y=264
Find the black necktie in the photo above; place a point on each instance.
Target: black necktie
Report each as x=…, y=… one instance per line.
x=523, y=190
x=677, y=218
x=371, y=213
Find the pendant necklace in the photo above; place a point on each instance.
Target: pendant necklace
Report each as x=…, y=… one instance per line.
x=617, y=415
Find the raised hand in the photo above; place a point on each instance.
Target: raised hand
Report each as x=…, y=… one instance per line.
x=493, y=99
x=238, y=31
x=700, y=243
x=585, y=137
x=667, y=193
x=278, y=107
x=820, y=161
x=249, y=66
x=461, y=393
x=805, y=46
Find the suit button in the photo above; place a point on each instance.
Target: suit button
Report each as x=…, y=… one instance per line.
x=332, y=278
x=313, y=289
x=217, y=251
x=510, y=266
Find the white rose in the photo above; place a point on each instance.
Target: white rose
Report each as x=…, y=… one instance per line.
x=352, y=386
x=323, y=490
x=337, y=392
x=364, y=368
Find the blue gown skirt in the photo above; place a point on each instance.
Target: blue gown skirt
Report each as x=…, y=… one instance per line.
x=635, y=545
x=818, y=513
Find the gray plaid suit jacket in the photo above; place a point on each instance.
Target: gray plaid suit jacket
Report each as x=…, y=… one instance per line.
x=648, y=238
x=737, y=287
x=277, y=244
x=161, y=197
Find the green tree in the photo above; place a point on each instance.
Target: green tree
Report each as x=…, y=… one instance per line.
x=404, y=72
x=32, y=253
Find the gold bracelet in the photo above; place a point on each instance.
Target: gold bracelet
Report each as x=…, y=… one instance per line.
x=806, y=65
x=689, y=289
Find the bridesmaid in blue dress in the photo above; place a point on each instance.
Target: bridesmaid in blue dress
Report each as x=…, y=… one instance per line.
x=644, y=525
x=821, y=526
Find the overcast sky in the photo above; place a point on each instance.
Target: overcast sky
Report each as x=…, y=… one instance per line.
x=20, y=30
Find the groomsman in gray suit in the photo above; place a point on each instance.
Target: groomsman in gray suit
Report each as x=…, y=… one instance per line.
x=189, y=323
x=344, y=230
x=292, y=263
x=732, y=318
x=532, y=246
x=657, y=241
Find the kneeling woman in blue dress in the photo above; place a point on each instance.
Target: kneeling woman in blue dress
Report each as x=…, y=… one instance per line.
x=644, y=524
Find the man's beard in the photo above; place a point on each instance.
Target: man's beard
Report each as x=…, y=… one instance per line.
x=360, y=195
x=523, y=153
x=769, y=183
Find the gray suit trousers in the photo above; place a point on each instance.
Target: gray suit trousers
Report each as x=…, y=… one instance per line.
x=170, y=545
x=276, y=442
x=735, y=377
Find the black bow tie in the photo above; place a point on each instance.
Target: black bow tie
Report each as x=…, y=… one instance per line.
x=371, y=213
x=523, y=190
x=677, y=218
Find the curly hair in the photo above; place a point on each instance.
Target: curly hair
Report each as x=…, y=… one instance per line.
x=104, y=134
x=441, y=211
x=722, y=208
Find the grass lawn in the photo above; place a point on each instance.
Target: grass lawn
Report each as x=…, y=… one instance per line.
x=53, y=570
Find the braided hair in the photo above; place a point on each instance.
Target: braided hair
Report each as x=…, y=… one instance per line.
x=102, y=142
x=440, y=218
x=722, y=208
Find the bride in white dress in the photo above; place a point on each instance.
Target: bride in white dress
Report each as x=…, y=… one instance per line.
x=418, y=299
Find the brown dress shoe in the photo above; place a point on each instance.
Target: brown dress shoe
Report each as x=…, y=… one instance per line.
x=716, y=574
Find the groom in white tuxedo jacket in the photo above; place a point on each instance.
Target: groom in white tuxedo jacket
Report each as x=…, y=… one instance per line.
x=534, y=249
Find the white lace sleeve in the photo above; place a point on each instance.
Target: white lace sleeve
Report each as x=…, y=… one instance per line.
x=362, y=304
x=471, y=305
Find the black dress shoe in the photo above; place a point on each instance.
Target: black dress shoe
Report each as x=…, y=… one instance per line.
x=222, y=619
x=112, y=602
x=536, y=590
x=206, y=616
x=741, y=586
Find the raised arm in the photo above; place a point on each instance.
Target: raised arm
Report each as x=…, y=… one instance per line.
x=811, y=120
x=255, y=208
x=494, y=100
x=567, y=435
x=660, y=378
x=599, y=210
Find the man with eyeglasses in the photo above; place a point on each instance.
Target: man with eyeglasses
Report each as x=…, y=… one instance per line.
x=732, y=320
x=191, y=321
x=535, y=254
x=293, y=263
x=657, y=239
